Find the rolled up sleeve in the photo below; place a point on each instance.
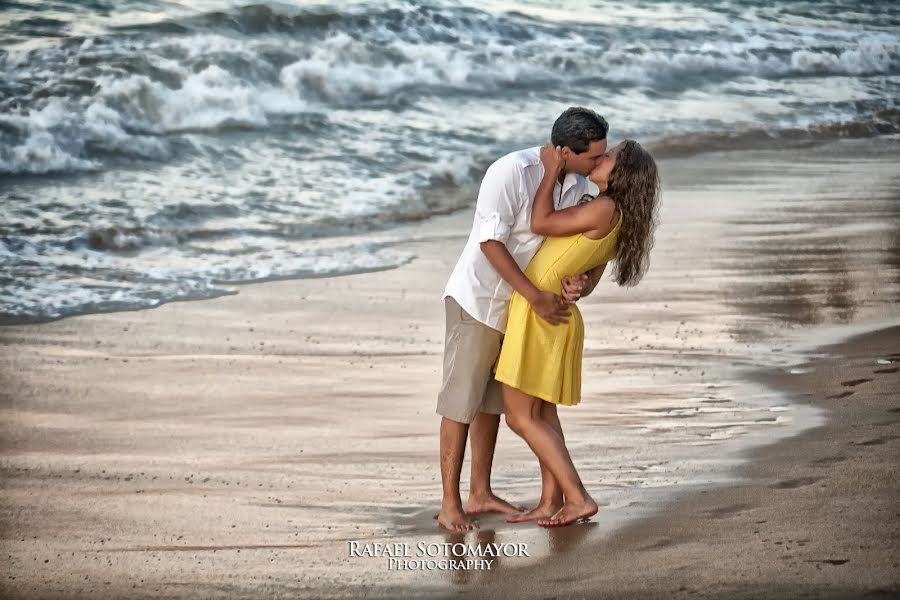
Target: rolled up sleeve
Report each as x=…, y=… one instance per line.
x=493, y=228
x=499, y=202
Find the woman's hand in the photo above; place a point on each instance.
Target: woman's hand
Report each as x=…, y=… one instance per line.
x=551, y=158
x=574, y=287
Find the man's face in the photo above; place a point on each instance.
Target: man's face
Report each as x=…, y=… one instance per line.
x=585, y=162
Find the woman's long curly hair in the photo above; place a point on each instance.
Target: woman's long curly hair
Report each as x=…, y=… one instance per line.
x=634, y=185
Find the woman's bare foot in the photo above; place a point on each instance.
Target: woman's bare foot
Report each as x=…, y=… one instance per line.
x=541, y=511
x=455, y=520
x=490, y=504
x=571, y=512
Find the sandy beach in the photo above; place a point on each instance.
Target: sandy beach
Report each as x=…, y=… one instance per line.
x=815, y=516
x=234, y=447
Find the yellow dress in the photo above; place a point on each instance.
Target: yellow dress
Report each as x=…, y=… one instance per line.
x=538, y=358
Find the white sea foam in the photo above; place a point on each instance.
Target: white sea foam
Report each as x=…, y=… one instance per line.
x=214, y=80
x=164, y=274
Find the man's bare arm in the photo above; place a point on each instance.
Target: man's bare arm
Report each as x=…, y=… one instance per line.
x=547, y=305
x=594, y=276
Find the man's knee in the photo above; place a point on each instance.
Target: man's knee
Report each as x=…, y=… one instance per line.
x=454, y=429
x=485, y=420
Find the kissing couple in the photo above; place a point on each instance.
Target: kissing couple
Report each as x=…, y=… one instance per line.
x=514, y=335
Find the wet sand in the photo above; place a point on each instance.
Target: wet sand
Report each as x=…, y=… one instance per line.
x=815, y=516
x=232, y=448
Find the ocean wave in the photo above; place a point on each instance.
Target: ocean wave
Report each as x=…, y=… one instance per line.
x=272, y=141
x=672, y=69
x=77, y=105
x=252, y=19
x=86, y=281
x=448, y=188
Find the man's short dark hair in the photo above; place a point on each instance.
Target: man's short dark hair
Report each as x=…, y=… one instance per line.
x=577, y=128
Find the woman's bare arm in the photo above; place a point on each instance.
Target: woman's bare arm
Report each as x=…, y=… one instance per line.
x=546, y=220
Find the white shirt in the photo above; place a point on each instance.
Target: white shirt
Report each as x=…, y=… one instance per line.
x=503, y=213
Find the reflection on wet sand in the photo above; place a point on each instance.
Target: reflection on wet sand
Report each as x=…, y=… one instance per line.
x=482, y=539
x=514, y=546
x=839, y=253
x=891, y=257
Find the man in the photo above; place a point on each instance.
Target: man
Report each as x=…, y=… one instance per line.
x=476, y=297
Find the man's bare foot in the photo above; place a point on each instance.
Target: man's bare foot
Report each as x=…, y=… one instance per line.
x=490, y=504
x=455, y=520
x=570, y=513
x=541, y=511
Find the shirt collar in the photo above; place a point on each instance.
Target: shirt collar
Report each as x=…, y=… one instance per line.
x=570, y=181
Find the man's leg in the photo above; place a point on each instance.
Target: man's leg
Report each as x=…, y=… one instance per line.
x=483, y=434
x=468, y=392
x=453, y=449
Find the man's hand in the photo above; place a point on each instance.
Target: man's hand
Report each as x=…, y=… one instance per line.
x=550, y=307
x=574, y=287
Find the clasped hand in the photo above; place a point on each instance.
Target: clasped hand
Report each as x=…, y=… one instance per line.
x=553, y=308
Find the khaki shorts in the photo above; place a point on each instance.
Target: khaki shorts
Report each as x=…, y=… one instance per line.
x=470, y=351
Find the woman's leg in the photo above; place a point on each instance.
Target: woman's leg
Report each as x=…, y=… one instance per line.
x=551, y=494
x=561, y=517
x=523, y=416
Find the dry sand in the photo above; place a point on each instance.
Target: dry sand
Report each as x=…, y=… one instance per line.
x=232, y=448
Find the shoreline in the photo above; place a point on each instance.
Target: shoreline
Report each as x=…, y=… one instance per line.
x=812, y=515
x=666, y=149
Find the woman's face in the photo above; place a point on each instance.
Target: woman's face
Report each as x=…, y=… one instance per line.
x=604, y=166
x=583, y=163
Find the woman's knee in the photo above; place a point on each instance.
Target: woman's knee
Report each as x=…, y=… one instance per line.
x=517, y=421
x=518, y=408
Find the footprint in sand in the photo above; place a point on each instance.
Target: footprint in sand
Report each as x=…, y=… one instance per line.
x=841, y=395
x=854, y=382
x=659, y=544
x=878, y=441
x=789, y=484
x=829, y=460
x=726, y=511
x=894, y=370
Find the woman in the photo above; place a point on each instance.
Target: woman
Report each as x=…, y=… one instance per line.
x=540, y=363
